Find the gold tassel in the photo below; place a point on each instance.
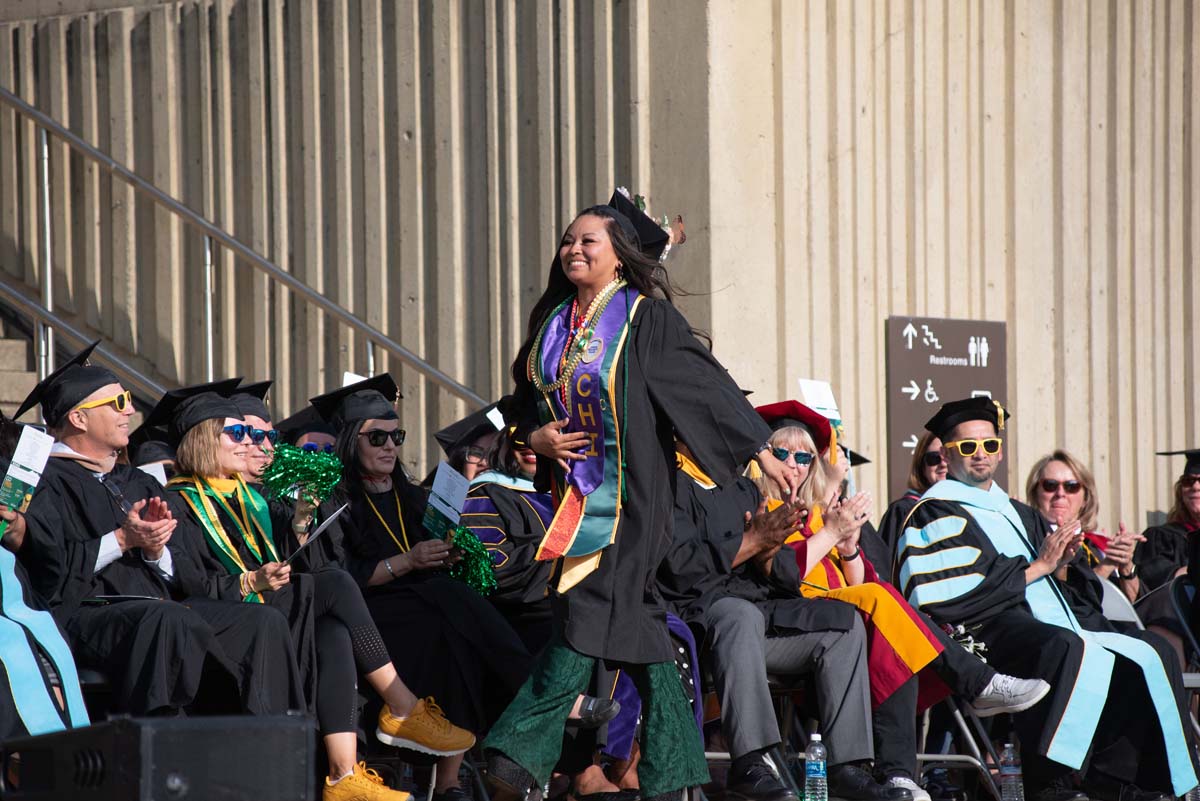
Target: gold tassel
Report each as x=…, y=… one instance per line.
x=999, y=416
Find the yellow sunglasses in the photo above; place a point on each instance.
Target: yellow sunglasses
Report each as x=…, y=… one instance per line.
x=120, y=401
x=967, y=447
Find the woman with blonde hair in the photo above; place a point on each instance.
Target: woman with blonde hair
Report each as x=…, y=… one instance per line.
x=901, y=642
x=1062, y=488
x=231, y=535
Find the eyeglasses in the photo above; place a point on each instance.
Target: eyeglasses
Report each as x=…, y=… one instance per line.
x=932, y=458
x=312, y=447
x=257, y=435
x=378, y=436
x=1189, y=480
x=474, y=455
x=120, y=401
x=238, y=432
x=802, y=457
x=967, y=447
x=1050, y=485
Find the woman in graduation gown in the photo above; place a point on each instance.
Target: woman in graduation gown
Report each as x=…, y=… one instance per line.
x=609, y=375
x=510, y=517
x=40, y=691
x=446, y=638
x=927, y=468
x=912, y=663
x=1164, y=554
x=228, y=527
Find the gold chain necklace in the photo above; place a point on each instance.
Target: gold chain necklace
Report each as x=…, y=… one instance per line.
x=594, y=310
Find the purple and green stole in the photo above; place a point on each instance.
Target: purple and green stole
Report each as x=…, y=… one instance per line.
x=589, y=495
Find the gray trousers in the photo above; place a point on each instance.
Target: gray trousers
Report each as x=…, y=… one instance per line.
x=741, y=655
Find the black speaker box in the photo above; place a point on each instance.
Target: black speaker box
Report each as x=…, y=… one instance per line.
x=165, y=759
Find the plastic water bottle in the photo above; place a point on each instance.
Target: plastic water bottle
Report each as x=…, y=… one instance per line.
x=1012, y=787
x=815, y=787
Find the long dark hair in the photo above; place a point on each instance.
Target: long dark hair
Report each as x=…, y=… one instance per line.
x=643, y=273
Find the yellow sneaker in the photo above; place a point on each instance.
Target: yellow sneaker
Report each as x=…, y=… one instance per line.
x=363, y=784
x=425, y=729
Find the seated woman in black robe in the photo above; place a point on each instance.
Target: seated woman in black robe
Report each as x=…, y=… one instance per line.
x=231, y=534
x=927, y=468
x=445, y=637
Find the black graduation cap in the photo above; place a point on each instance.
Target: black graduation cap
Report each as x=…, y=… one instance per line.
x=180, y=410
x=305, y=421
x=369, y=399
x=249, y=399
x=151, y=450
x=66, y=387
x=1192, y=466
x=467, y=430
x=651, y=237
x=855, y=457
x=961, y=411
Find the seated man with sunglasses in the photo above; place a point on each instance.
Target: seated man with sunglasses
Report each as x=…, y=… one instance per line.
x=969, y=554
x=98, y=549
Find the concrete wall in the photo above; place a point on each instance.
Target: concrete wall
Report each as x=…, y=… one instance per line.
x=836, y=163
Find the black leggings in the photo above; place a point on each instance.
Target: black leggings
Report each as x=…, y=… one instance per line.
x=348, y=643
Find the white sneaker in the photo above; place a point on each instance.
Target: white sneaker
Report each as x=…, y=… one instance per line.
x=1005, y=694
x=906, y=783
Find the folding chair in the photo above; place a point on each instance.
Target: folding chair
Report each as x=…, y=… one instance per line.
x=1116, y=607
x=1181, y=591
x=975, y=760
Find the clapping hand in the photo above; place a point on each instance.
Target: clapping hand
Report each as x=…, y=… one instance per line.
x=1119, y=552
x=148, y=525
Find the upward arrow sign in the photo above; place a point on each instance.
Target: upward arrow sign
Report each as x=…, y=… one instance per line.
x=909, y=333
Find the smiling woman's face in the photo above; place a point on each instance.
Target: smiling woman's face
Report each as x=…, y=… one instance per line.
x=586, y=252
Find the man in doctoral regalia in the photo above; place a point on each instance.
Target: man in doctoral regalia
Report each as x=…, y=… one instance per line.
x=969, y=554
x=98, y=549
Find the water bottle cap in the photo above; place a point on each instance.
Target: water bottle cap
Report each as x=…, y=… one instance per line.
x=816, y=738
x=1009, y=745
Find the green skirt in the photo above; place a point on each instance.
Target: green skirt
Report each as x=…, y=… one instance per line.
x=530, y=731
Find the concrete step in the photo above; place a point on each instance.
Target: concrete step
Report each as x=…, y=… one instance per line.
x=15, y=355
x=15, y=385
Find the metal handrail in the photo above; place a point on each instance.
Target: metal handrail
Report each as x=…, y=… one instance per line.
x=143, y=384
x=210, y=230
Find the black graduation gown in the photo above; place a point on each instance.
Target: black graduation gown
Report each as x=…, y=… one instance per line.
x=891, y=525
x=698, y=571
x=213, y=580
x=675, y=388
x=1164, y=551
x=509, y=521
x=157, y=655
x=445, y=639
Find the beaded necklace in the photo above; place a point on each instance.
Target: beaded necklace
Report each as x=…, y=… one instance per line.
x=577, y=341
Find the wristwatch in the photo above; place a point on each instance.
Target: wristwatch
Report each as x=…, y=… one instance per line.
x=1132, y=574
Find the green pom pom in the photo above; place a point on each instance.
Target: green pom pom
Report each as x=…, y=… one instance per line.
x=300, y=473
x=475, y=569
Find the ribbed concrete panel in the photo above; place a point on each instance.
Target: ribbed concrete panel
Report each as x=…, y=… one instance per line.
x=836, y=162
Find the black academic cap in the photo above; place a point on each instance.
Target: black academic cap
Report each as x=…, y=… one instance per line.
x=961, y=411
x=1192, y=466
x=305, y=421
x=249, y=399
x=465, y=431
x=152, y=450
x=66, y=387
x=652, y=238
x=181, y=409
x=855, y=457
x=369, y=399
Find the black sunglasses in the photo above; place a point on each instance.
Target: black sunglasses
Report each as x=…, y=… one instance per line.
x=802, y=457
x=377, y=437
x=932, y=458
x=1049, y=485
x=312, y=447
x=257, y=435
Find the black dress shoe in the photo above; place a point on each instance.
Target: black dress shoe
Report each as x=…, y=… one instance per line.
x=942, y=789
x=595, y=712
x=855, y=784
x=1060, y=789
x=1102, y=788
x=755, y=781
